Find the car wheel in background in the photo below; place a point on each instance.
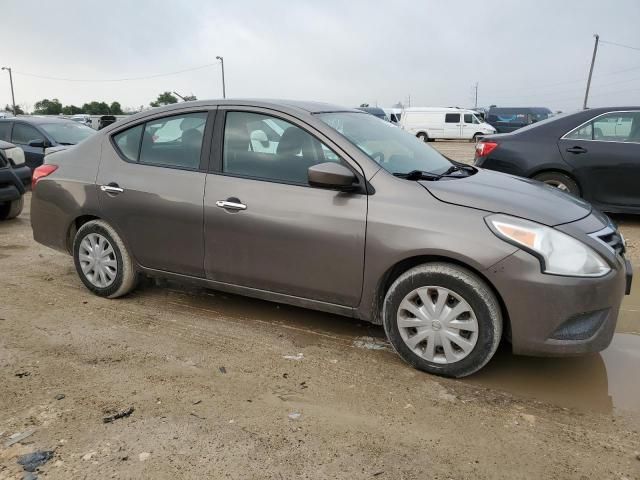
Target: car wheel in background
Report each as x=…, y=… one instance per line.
x=443, y=319
x=423, y=136
x=476, y=137
x=560, y=181
x=102, y=260
x=9, y=210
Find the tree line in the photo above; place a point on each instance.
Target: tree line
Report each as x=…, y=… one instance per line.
x=54, y=106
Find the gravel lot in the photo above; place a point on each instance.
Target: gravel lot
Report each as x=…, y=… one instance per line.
x=230, y=387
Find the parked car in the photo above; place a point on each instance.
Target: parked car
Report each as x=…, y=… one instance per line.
x=15, y=177
x=36, y=134
x=83, y=119
x=376, y=112
x=509, y=119
x=345, y=215
x=429, y=124
x=106, y=120
x=594, y=154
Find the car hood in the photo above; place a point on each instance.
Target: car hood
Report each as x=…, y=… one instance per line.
x=501, y=193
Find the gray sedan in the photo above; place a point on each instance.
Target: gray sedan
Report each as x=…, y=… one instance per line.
x=330, y=208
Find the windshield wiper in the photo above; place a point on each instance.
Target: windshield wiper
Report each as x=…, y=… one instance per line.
x=422, y=175
x=418, y=175
x=65, y=143
x=457, y=167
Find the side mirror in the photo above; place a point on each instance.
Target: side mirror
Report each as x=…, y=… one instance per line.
x=38, y=143
x=332, y=175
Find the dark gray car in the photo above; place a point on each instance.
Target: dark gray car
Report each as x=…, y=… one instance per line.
x=330, y=208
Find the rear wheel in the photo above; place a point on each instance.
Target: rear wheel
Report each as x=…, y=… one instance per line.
x=9, y=210
x=102, y=260
x=423, y=136
x=443, y=319
x=560, y=181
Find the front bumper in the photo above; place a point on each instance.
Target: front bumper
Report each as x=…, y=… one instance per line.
x=557, y=315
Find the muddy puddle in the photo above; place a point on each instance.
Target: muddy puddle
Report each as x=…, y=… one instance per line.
x=598, y=382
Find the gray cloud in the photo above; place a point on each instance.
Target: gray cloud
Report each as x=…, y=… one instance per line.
x=525, y=53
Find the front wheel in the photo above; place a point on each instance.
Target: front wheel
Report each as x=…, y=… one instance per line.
x=11, y=209
x=442, y=319
x=102, y=260
x=560, y=181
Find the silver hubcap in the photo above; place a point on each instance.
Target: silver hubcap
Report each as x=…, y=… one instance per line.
x=437, y=324
x=98, y=260
x=558, y=185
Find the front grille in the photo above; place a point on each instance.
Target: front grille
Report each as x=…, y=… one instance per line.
x=613, y=239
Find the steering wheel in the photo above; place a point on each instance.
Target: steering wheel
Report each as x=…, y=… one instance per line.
x=378, y=156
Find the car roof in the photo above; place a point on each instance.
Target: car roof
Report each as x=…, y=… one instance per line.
x=36, y=120
x=293, y=107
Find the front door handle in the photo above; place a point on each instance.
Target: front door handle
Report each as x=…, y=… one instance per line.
x=111, y=188
x=576, y=150
x=228, y=205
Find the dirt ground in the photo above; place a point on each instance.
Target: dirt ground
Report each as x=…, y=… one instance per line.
x=228, y=387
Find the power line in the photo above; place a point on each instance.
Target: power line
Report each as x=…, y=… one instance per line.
x=620, y=45
x=95, y=80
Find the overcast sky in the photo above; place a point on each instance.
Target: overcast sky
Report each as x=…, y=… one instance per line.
x=527, y=53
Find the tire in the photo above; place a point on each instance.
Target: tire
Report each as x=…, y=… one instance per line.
x=120, y=276
x=423, y=136
x=11, y=209
x=461, y=289
x=476, y=137
x=560, y=181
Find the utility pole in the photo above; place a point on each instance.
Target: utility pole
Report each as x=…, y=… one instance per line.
x=476, y=103
x=593, y=60
x=13, y=99
x=224, y=93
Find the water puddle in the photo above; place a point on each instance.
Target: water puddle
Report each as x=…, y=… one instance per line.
x=597, y=382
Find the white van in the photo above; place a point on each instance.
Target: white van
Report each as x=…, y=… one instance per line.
x=394, y=114
x=444, y=123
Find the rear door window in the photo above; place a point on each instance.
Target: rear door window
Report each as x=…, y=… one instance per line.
x=616, y=127
x=174, y=141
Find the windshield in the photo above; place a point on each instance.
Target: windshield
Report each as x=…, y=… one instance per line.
x=67, y=133
x=391, y=147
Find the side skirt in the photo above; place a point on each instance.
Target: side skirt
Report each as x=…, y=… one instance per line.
x=253, y=292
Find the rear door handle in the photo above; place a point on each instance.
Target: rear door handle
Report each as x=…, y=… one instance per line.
x=576, y=150
x=111, y=188
x=227, y=205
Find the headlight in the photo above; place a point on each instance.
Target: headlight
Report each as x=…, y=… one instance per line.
x=16, y=155
x=559, y=253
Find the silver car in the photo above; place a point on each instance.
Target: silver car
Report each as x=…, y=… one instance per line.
x=330, y=208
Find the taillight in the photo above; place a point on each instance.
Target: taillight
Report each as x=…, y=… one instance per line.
x=485, y=148
x=41, y=172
